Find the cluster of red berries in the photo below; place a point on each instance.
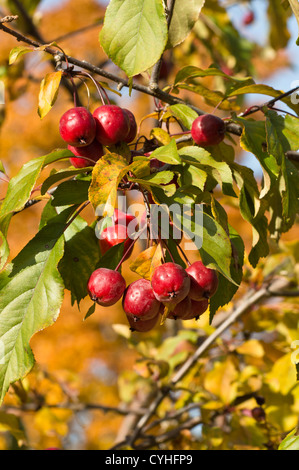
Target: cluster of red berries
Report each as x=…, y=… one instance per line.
x=183, y=292
x=87, y=134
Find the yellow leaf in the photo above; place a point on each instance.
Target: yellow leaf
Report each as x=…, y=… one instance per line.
x=221, y=381
x=282, y=377
x=106, y=176
x=253, y=348
x=161, y=135
x=48, y=92
x=147, y=261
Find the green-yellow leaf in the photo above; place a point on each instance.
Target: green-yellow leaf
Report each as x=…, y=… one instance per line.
x=17, y=52
x=134, y=34
x=147, y=261
x=48, y=92
x=106, y=176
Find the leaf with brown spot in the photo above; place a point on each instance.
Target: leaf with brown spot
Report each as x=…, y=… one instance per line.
x=106, y=175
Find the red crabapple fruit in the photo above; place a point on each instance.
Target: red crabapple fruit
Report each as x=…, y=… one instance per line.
x=170, y=283
x=203, y=281
x=106, y=286
x=77, y=127
x=139, y=301
x=208, y=130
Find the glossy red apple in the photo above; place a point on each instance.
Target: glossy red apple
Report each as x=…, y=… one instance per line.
x=139, y=301
x=170, y=283
x=77, y=127
x=112, y=124
x=208, y=130
x=203, y=281
x=106, y=286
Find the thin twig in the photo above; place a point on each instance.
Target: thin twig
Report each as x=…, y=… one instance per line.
x=76, y=407
x=154, y=80
x=8, y=19
x=158, y=93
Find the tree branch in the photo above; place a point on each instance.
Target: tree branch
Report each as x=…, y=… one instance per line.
x=157, y=93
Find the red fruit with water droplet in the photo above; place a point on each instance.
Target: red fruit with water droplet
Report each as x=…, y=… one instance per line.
x=112, y=124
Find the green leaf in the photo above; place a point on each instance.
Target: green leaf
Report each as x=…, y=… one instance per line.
x=17, y=52
x=183, y=113
x=155, y=179
x=185, y=15
x=226, y=290
x=48, y=92
x=29, y=302
x=112, y=257
x=90, y=311
x=290, y=442
x=167, y=154
x=193, y=176
x=71, y=192
x=58, y=176
x=264, y=90
x=252, y=210
x=295, y=7
x=19, y=191
x=212, y=98
x=134, y=34
x=81, y=255
x=4, y=251
x=202, y=159
x=21, y=185
x=191, y=72
x=284, y=190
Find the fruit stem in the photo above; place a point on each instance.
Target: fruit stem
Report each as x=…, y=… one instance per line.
x=99, y=87
x=167, y=248
x=180, y=133
x=182, y=252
